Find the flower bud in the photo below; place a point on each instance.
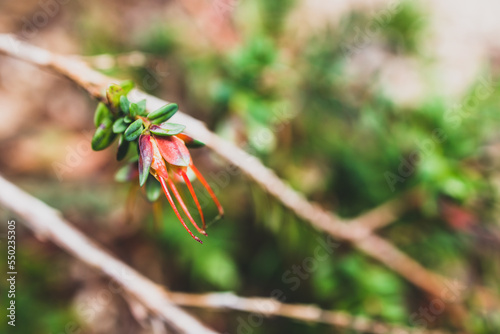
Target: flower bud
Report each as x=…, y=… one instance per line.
x=113, y=93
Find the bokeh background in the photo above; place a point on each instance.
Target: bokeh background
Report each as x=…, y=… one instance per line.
x=353, y=103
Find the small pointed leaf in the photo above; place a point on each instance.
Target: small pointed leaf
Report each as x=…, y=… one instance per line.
x=134, y=109
x=124, y=104
x=134, y=130
x=163, y=114
x=167, y=129
x=103, y=136
x=119, y=126
x=142, y=107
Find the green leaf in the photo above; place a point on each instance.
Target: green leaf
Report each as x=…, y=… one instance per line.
x=134, y=109
x=163, y=114
x=124, y=104
x=103, y=136
x=119, y=126
x=123, y=147
x=153, y=189
x=134, y=130
x=167, y=129
x=101, y=113
x=127, y=119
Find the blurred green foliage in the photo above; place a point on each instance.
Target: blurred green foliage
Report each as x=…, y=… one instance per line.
x=330, y=136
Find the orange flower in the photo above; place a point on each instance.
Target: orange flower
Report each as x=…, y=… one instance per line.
x=167, y=158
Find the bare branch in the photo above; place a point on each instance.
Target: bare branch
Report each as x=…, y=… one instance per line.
x=48, y=225
x=387, y=212
x=309, y=313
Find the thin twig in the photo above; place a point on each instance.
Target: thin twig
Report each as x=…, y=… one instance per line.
x=109, y=61
x=48, y=224
x=96, y=83
x=387, y=212
x=266, y=307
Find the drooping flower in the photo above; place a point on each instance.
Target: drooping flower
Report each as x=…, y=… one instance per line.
x=162, y=148
x=167, y=158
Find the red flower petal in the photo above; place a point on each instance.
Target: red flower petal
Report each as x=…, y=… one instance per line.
x=158, y=163
x=145, y=158
x=173, y=150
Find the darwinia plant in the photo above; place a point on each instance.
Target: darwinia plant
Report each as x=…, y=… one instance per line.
x=162, y=158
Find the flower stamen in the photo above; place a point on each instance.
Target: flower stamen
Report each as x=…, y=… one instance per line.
x=209, y=189
x=195, y=198
x=172, y=204
x=183, y=206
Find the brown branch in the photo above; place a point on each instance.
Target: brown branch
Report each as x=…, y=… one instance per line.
x=96, y=83
x=310, y=313
x=110, y=61
x=48, y=224
x=387, y=212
